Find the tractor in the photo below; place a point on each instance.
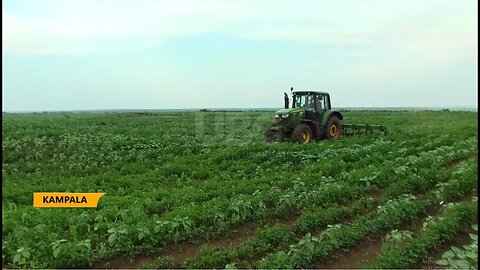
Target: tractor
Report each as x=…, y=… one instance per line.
x=311, y=118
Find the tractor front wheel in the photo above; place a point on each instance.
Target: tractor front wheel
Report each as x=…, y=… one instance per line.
x=302, y=134
x=333, y=129
x=272, y=134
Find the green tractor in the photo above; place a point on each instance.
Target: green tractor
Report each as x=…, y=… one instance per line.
x=311, y=118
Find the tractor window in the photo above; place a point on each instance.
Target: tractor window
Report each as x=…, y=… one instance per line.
x=312, y=101
x=304, y=101
x=299, y=101
x=326, y=102
x=321, y=103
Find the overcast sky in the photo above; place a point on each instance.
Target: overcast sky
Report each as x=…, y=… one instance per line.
x=139, y=54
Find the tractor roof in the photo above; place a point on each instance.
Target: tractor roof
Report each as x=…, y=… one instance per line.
x=309, y=92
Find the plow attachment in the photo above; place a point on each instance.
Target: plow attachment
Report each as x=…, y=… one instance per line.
x=355, y=129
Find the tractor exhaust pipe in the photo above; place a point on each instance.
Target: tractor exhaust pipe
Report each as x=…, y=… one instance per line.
x=285, y=98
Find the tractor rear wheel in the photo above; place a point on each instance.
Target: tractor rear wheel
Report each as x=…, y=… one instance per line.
x=302, y=134
x=333, y=130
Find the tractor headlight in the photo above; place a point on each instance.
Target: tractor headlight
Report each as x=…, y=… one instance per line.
x=284, y=116
x=276, y=116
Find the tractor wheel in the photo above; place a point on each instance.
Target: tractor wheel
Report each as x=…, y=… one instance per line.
x=273, y=135
x=333, y=129
x=302, y=134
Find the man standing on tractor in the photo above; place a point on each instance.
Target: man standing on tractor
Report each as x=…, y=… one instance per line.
x=312, y=103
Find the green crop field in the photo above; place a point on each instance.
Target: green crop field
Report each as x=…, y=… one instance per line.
x=203, y=190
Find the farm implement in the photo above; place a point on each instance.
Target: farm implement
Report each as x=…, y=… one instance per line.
x=355, y=129
x=312, y=118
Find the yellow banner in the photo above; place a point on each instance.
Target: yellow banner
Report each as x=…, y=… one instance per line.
x=65, y=199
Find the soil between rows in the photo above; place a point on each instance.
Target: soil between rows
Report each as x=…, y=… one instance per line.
x=189, y=249
x=367, y=250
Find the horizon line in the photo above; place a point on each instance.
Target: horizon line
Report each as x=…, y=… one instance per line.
x=469, y=108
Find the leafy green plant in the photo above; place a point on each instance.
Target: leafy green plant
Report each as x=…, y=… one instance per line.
x=396, y=238
x=462, y=258
x=22, y=255
x=454, y=216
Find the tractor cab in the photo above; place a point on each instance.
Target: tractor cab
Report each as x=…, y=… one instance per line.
x=311, y=100
x=315, y=103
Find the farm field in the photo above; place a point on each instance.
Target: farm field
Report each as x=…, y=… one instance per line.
x=203, y=190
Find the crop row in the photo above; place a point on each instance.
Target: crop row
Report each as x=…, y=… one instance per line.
x=307, y=219
x=306, y=222
x=316, y=248
x=436, y=231
x=270, y=238
x=260, y=183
